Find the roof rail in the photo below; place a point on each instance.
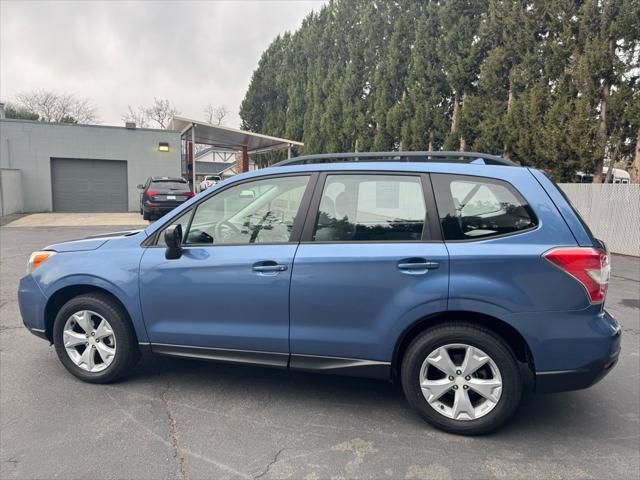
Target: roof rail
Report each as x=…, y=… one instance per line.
x=464, y=157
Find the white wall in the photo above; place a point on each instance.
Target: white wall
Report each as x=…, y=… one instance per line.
x=29, y=147
x=10, y=191
x=612, y=211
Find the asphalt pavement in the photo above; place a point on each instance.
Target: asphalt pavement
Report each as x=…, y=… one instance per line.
x=186, y=419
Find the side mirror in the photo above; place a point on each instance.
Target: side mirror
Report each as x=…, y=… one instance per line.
x=173, y=239
x=140, y=186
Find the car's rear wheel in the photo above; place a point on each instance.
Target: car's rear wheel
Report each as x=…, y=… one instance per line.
x=461, y=378
x=94, y=339
x=146, y=216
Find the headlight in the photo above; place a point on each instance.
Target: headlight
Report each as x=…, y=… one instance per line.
x=38, y=258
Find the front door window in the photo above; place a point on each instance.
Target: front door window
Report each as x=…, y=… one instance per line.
x=262, y=211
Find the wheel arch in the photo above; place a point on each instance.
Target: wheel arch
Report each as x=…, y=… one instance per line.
x=64, y=294
x=507, y=332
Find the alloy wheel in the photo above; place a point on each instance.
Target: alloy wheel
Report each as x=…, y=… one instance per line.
x=460, y=381
x=89, y=341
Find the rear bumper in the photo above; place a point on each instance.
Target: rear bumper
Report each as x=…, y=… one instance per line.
x=160, y=209
x=563, y=381
x=590, y=373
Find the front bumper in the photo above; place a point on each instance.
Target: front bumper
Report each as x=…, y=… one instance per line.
x=32, y=305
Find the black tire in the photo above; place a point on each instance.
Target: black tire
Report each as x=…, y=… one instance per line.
x=127, y=352
x=146, y=216
x=476, y=336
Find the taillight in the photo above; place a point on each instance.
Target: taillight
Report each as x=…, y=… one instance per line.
x=589, y=266
x=189, y=194
x=152, y=193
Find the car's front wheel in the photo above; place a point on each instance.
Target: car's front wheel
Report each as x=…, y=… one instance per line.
x=461, y=378
x=94, y=338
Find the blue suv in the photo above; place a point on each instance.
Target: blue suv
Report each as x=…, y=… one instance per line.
x=463, y=276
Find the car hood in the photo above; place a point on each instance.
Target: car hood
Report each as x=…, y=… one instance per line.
x=90, y=243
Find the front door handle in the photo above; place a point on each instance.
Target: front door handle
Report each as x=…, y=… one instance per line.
x=417, y=264
x=268, y=266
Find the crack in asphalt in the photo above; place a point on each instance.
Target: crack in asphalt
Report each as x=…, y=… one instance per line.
x=270, y=464
x=173, y=435
x=162, y=440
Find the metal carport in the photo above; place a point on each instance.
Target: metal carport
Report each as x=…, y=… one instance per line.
x=195, y=132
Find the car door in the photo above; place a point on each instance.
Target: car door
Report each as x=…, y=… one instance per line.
x=227, y=296
x=371, y=262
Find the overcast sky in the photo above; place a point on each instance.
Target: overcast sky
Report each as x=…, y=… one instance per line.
x=120, y=53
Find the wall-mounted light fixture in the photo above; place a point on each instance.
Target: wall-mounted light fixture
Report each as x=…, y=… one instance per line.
x=163, y=146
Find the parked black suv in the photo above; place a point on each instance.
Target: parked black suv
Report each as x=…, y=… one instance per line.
x=161, y=195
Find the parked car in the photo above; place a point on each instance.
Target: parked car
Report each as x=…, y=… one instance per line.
x=462, y=276
x=617, y=176
x=160, y=195
x=209, y=181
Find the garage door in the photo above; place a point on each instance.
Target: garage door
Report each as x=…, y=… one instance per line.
x=80, y=185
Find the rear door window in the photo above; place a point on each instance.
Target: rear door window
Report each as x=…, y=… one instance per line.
x=477, y=207
x=361, y=208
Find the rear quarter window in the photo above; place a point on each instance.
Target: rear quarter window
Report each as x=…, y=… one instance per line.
x=472, y=208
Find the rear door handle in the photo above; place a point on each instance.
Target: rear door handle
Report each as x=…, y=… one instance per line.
x=268, y=266
x=417, y=264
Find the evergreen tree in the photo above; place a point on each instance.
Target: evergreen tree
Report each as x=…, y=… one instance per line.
x=549, y=83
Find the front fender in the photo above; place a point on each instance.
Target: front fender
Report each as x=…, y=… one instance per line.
x=129, y=300
x=114, y=270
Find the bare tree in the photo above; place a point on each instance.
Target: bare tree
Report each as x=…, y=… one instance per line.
x=160, y=113
x=137, y=116
x=56, y=107
x=215, y=115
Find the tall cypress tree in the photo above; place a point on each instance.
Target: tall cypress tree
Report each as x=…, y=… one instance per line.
x=427, y=114
x=460, y=22
x=552, y=84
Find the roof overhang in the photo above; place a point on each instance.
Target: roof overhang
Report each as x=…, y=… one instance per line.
x=230, y=138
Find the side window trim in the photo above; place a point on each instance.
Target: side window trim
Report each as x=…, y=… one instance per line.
x=433, y=230
x=312, y=210
x=430, y=232
x=154, y=240
x=304, y=209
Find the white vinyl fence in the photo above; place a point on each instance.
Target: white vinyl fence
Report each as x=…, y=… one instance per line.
x=612, y=211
